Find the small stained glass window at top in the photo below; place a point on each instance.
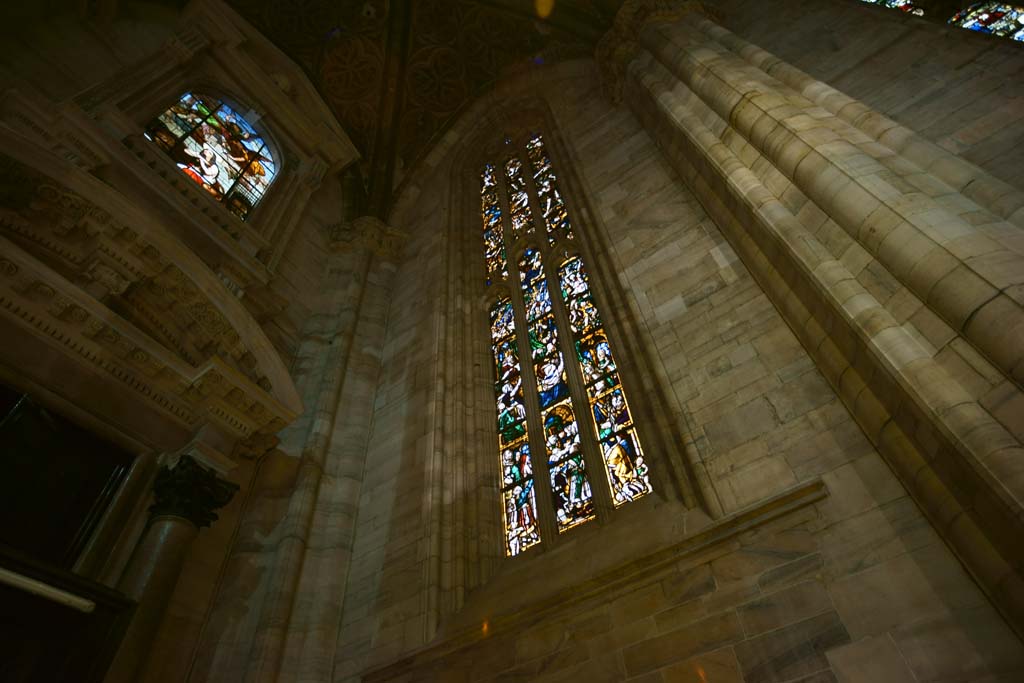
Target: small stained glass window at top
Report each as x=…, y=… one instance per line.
x=217, y=148
x=997, y=18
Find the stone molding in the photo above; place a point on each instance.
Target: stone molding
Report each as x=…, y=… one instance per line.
x=190, y=491
x=617, y=48
x=607, y=585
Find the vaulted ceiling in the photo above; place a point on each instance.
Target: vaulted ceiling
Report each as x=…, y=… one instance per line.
x=397, y=72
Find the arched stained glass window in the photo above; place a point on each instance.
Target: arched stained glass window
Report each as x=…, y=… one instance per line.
x=997, y=18
x=904, y=5
x=217, y=148
x=565, y=415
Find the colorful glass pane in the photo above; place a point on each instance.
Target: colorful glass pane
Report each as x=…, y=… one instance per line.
x=518, y=200
x=556, y=218
x=217, y=148
x=573, y=499
x=613, y=423
x=903, y=5
x=519, y=500
x=494, y=233
x=997, y=18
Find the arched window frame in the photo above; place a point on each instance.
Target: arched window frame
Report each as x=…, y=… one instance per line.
x=258, y=214
x=669, y=472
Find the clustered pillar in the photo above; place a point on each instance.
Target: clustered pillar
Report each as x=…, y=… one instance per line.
x=811, y=187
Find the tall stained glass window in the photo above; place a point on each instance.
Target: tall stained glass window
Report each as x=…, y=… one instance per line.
x=997, y=18
x=567, y=414
x=904, y=5
x=217, y=148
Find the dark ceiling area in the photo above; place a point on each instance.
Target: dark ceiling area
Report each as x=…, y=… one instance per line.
x=397, y=72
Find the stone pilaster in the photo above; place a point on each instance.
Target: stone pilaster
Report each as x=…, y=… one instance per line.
x=323, y=453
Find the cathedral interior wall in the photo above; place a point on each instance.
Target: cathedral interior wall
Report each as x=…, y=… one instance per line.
x=868, y=579
x=367, y=544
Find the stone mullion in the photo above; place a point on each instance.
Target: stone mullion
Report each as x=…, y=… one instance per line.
x=534, y=424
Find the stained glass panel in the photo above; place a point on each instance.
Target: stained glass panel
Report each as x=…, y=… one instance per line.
x=518, y=200
x=494, y=233
x=904, y=5
x=997, y=18
x=520, y=502
x=613, y=423
x=217, y=148
x=556, y=218
x=573, y=499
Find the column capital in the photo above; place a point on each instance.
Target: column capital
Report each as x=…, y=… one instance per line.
x=617, y=48
x=191, y=491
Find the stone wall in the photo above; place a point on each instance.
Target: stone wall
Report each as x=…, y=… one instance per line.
x=851, y=586
x=957, y=88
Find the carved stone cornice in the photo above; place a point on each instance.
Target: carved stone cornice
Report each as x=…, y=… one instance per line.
x=619, y=46
x=115, y=298
x=367, y=232
x=191, y=491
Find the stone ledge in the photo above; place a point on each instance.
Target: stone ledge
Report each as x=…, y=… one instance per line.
x=609, y=582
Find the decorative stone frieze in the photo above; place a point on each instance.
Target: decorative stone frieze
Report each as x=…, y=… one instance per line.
x=191, y=491
x=117, y=299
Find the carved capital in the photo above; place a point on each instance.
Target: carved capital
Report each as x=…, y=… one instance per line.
x=619, y=46
x=191, y=491
x=367, y=232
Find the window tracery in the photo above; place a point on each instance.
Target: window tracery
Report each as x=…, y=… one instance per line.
x=555, y=441
x=997, y=18
x=217, y=148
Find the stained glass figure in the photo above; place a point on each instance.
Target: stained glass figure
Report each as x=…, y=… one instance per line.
x=573, y=498
x=217, y=148
x=997, y=18
x=613, y=423
x=556, y=218
x=904, y=5
x=518, y=496
x=518, y=200
x=494, y=233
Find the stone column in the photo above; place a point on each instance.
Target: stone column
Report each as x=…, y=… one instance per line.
x=185, y=497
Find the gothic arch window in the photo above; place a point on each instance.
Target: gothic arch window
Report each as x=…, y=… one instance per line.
x=903, y=5
x=997, y=18
x=565, y=431
x=217, y=148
